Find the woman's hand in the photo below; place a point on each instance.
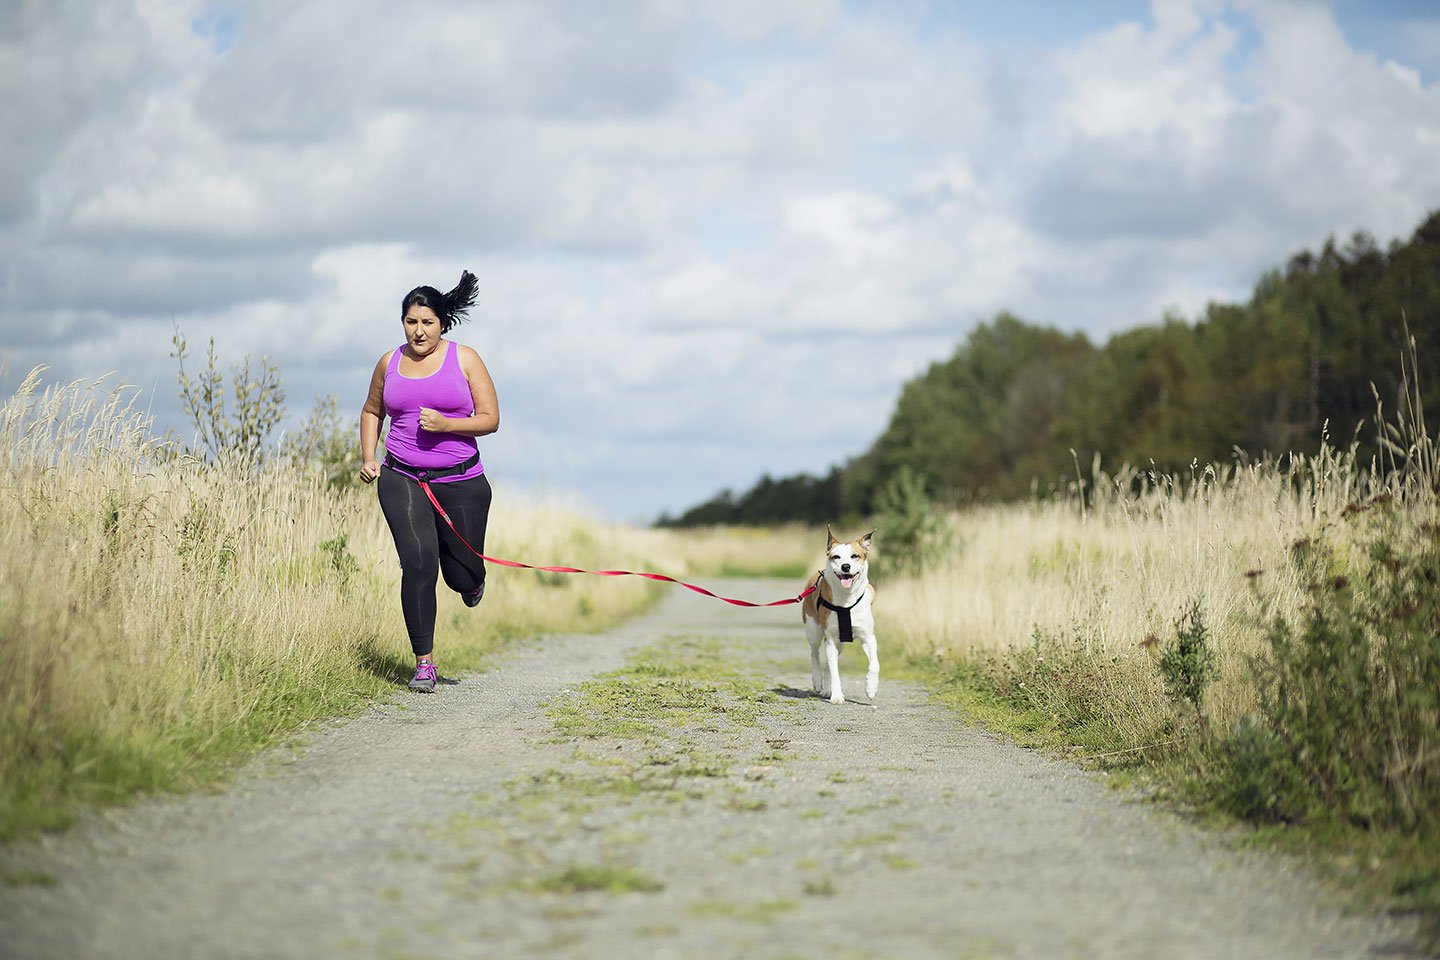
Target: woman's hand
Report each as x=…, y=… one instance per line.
x=433, y=421
x=369, y=470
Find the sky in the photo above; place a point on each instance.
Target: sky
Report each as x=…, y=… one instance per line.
x=713, y=238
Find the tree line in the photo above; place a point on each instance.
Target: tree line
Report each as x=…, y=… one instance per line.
x=1017, y=406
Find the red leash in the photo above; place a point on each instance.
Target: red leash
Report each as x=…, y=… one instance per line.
x=424, y=485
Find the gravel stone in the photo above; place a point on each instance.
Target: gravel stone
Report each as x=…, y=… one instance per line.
x=462, y=824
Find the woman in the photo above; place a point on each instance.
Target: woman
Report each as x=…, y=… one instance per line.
x=439, y=398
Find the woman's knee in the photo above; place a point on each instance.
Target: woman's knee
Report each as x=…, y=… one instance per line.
x=418, y=561
x=461, y=577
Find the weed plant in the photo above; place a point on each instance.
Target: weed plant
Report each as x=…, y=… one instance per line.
x=1188, y=662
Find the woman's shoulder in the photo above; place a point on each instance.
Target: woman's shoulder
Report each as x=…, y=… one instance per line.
x=468, y=356
x=382, y=370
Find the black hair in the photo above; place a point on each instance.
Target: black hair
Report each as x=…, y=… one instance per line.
x=450, y=307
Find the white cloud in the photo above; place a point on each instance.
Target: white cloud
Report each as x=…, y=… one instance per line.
x=712, y=239
x=754, y=20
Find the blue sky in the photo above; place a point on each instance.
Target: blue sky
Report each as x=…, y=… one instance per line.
x=714, y=238
x=219, y=25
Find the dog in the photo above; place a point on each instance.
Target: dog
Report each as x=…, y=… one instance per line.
x=841, y=608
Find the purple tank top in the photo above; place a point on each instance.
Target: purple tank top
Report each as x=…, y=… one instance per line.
x=446, y=391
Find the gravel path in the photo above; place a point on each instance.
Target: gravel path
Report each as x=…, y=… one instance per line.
x=516, y=814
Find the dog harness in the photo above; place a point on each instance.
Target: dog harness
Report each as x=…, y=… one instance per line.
x=847, y=632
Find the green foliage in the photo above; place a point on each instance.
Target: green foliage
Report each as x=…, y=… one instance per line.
x=982, y=424
x=1351, y=689
x=799, y=499
x=1188, y=662
x=327, y=441
x=1000, y=417
x=905, y=522
x=1261, y=781
x=237, y=429
x=342, y=562
x=238, y=425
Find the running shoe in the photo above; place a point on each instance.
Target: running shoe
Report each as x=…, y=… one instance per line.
x=425, y=678
x=473, y=597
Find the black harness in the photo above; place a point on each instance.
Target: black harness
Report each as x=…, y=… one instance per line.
x=847, y=632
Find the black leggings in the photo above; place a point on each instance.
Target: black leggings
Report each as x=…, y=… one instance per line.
x=428, y=547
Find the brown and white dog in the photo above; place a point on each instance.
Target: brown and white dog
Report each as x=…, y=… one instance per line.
x=841, y=609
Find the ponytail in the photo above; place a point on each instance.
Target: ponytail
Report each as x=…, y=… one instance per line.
x=451, y=308
x=459, y=301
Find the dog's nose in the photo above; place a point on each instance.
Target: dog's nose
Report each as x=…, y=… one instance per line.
x=844, y=568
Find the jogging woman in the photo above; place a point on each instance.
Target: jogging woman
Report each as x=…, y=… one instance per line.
x=439, y=398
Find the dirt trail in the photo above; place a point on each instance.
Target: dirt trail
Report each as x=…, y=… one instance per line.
x=481, y=823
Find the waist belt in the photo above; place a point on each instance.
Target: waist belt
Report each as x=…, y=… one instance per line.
x=429, y=473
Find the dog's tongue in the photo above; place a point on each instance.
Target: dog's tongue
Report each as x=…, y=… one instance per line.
x=847, y=582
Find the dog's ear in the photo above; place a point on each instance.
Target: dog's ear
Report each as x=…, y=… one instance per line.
x=865, y=540
x=830, y=540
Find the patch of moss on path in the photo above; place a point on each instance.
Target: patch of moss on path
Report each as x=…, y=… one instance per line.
x=665, y=729
x=682, y=682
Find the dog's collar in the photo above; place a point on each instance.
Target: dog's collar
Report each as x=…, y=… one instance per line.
x=847, y=631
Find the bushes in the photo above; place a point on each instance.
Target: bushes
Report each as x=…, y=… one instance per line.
x=1260, y=780
x=1347, y=724
x=906, y=524
x=1188, y=662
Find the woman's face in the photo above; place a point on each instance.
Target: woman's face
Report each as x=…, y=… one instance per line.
x=422, y=330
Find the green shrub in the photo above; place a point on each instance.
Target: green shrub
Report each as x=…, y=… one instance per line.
x=906, y=522
x=1188, y=662
x=1264, y=782
x=327, y=441
x=342, y=563
x=1350, y=689
x=258, y=400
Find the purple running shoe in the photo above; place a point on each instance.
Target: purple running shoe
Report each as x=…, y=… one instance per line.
x=473, y=597
x=425, y=678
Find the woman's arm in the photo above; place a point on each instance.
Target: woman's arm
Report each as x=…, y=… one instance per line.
x=486, y=419
x=371, y=416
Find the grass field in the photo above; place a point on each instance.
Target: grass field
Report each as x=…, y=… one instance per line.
x=1260, y=641
x=162, y=618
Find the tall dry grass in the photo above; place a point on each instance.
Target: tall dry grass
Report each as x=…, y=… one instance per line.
x=1109, y=573
x=162, y=616
x=1262, y=639
x=790, y=551
x=1152, y=613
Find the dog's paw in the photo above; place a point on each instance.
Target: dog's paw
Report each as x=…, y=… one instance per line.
x=837, y=697
x=871, y=689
